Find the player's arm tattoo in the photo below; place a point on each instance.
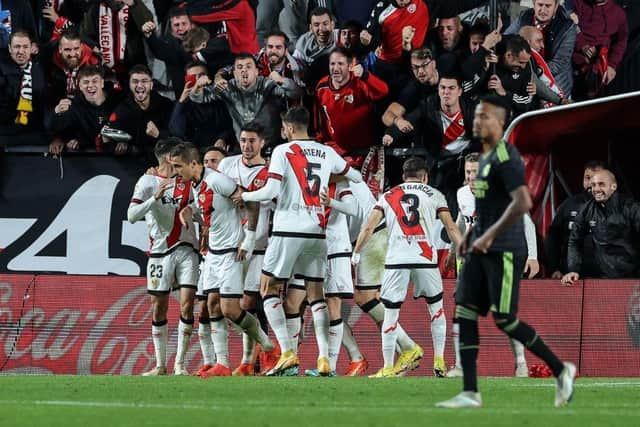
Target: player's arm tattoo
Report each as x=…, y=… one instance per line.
x=253, y=211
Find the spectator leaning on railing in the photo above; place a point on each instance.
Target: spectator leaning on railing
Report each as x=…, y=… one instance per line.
x=614, y=221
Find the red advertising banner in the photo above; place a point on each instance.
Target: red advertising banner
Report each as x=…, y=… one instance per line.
x=102, y=325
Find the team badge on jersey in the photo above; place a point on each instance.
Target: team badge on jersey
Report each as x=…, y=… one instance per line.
x=202, y=198
x=349, y=98
x=181, y=186
x=411, y=8
x=258, y=182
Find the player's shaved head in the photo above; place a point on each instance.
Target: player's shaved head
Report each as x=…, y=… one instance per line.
x=603, y=185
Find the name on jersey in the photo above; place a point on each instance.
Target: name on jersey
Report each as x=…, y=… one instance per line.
x=310, y=209
x=419, y=187
x=480, y=187
x=167, y=200
x=314, y=152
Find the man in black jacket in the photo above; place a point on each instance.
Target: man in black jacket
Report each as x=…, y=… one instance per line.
x=80, y=121
x=144, y=114
x=444, y=124
x=614, y=221
x=22, y=93
x=557, y=239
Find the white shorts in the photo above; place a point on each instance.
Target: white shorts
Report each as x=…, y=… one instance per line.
x=371, y=266
x=224, y=275
x=200, y=295
x=339, y=282
x=307, y=257
x=172, y=271
x=252, y=273
x=427, y=283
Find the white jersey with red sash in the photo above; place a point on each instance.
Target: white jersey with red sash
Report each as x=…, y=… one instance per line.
x=454, y=139
x=338, y=241
x=165, y=229
x=410, y=210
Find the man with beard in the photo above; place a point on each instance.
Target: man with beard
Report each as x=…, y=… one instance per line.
x=248, y=96
x=201, y=124
x=345, y=106
x=70, y=55
x=116, y=25
x=276, y=63
x=170, y=48
x=79, y=121
x=314, y=46
x=22, y=92
x=448, y=36
x=144, y=114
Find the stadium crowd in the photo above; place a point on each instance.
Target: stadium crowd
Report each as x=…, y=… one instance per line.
x=122, y=76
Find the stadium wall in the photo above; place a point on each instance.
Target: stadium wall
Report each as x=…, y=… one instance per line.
x=65, y=324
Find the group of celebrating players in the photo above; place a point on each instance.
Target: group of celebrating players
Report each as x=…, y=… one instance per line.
x=297, y=229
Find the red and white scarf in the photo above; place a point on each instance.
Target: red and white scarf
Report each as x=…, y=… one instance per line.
x=546, y=77
x=112, y=34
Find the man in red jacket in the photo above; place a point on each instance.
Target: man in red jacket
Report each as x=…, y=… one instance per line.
x=345, y=106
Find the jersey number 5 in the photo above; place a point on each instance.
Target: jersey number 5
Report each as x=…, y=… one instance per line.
x=312, y=179
x=412, y=216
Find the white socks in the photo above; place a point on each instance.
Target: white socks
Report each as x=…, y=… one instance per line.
x=336, y=328
x=294, y=324
x=160, y=334
x=389, y=332
x=275, y=315
x=320, y=312
x=185, y=328
x=206, y=344
x=455, y=337
x=438, y=328
x=219, y=336
x=518, y=351
x=404, y=341
x=350, y=344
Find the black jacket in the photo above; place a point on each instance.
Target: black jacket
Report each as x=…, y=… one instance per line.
x=555, y=245
x=10, y=83
x=82, y=121
x=201, y=124
x=129, y=117
x=615, y=228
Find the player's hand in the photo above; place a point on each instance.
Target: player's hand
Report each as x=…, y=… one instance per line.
x=461, y=250
x=533, y=267
x=148, y=28
x=403, y=125
x=496, y=84
x=165, y=185
x=56, y=147
x=248, y=245
x=152, y=130
x=185, y=215
x=387, y=140
x=556, y=275
x=365, y=37
x=570, y=278
x=73, y=145
x=153, y=171
x=62, y=106
x=325, y=200
x=450, y=261
x=355, y=259
x=236, y=197
x=482, y=244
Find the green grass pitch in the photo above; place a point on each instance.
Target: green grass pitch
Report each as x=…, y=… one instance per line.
x=180, y=401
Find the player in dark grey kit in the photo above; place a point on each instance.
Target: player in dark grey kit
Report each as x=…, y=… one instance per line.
x=495, y=253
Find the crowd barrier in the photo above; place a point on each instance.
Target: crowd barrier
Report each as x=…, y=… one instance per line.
x=65, y=324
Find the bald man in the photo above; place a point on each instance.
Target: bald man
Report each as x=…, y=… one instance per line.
x=533, y=36
x=614, y=221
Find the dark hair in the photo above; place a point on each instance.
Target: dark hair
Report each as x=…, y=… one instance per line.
x=342, y=51
x=481, y=28
x=277, y=33
x=498, y=101
x=71, y=33
x=140, y=69
x=412, y=167
x=214, y=148
x=192, y=64
x=595, y=164
x=472, y=157
x=165, y=146
x=20, y=33
x=177, y=11
x=319, y=11
x=90, y=70
x=194, y=37
x=513, y=43
x=187, y=152
x=298, y=116
x=451, y=76
x=245, y=55
x=254, y=127
x=421, y=53
x=352, y=23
